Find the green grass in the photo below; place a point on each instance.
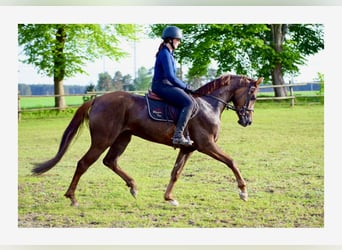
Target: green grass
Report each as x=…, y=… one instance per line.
x=45, y=102
x=281, y=157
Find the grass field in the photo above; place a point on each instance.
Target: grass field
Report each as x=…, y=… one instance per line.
x=43, y=102
x=281, y=157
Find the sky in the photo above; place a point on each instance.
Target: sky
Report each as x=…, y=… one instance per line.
x=144, y=56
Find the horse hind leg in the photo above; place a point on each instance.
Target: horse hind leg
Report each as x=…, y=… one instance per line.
x=83, y=164
x=111, y=160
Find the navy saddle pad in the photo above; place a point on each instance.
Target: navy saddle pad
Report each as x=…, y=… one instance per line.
x=159, y=110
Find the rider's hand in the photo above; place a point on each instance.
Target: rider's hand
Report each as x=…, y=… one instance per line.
x=189, y=90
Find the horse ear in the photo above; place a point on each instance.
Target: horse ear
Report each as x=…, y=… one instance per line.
x=259, y=81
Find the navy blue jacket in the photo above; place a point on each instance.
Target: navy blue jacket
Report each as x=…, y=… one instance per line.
x=165, y=68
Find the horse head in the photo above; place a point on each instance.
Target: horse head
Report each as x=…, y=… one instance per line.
x=244, y=98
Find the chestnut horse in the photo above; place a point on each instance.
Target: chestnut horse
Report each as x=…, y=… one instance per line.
x=114, y=117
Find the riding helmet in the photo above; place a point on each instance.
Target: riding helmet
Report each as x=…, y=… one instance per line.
x=172, y=32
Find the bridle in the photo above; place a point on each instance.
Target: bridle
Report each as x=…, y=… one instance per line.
x=240, y=110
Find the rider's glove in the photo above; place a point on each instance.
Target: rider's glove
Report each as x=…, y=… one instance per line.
x=189, y=90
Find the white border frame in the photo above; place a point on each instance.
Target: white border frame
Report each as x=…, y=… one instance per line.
x=330, y=16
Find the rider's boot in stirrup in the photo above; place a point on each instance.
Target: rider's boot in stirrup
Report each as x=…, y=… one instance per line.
x=178, y=138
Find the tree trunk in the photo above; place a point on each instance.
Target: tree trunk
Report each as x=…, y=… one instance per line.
x=59, y=67
x=277, y=79
x=59, y=91
x=278, y=32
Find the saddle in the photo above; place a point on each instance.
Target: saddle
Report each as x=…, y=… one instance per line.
x=159, y=110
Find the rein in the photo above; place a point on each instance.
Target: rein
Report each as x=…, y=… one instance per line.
x=241, y=110
x=226, y=104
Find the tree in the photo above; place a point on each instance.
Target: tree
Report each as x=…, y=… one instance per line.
x=127, y=82
x=105, y=82
x=62, y=50
x=89, y=88
x=143, y=80
x=268, y=50
x=118, y=81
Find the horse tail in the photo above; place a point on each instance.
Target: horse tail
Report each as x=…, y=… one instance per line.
x=81, y=115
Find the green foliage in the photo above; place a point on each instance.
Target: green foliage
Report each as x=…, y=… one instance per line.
x=320, y=77
x=42, y=47
x=247, y=49
x=89, y=88
x=143, y=80
x=125, y=82
x=104, y=83
x=62, y=50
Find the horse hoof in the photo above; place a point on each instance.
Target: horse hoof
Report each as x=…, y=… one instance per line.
x=174, y=203
x=243, y=196
x=75, y=204
x=134, y=192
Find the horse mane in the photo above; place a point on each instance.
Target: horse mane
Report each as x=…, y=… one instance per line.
x=217, y=83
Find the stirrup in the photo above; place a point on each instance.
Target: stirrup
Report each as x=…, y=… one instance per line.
x=182, y=141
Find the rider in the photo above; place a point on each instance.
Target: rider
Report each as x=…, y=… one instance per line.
x=168, y=86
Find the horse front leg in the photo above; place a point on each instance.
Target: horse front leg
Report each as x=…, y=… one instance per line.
x=182, y=158
x=214, y=151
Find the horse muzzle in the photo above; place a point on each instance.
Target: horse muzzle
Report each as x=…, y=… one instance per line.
x=244, y=121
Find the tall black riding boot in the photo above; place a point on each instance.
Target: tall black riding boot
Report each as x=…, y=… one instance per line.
x=178, y=138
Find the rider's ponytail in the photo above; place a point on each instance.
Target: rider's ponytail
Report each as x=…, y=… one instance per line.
x=160, y=48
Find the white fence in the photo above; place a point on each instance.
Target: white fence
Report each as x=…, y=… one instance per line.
x=290, y=96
